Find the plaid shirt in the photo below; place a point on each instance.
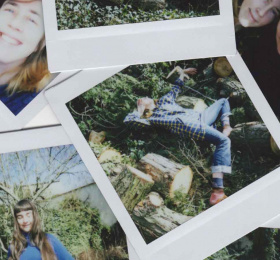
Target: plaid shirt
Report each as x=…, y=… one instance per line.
x=171, y=116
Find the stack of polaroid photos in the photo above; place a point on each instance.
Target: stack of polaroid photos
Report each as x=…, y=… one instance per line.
x=139, y=129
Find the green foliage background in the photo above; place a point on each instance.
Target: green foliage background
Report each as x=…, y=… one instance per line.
x=104, y=107
x=73, y=14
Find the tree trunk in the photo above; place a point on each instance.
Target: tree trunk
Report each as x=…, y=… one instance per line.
x=170, y=177
x=194, y=103
x=154, y=219
x=231, y=87
x=222, y=67
x=253, y=135
x=132, y=186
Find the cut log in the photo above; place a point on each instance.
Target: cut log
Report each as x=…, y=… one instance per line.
x=222, y=67
x=109, y=155
x=274, y=147
x=195, y=103
x=154, y=219
x=132, y=186
x=231, y=87
x=253, y=135
x=97, y=137
x=170, y=177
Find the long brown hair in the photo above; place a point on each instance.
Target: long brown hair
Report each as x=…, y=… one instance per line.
x=37, y=237
x=33, y=74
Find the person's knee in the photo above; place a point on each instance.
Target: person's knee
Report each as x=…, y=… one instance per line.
x=226, y=141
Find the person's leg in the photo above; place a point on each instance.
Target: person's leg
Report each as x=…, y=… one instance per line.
x=221, y=162
x=220, y=108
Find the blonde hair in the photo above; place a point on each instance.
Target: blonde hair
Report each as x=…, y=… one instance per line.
x=33, y=74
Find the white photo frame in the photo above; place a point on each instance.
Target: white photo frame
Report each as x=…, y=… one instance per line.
x=10, y=122
x=46, y=137
x=139, y=43
x=215, y=228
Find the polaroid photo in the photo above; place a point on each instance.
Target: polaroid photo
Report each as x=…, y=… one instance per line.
x=50, y=197
x=150, y=151
x=257, y=30
x=89, y=34
x=24, y=73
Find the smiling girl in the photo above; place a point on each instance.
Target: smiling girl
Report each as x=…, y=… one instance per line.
x=29, y=241
x=23, y=63
x=256, y=13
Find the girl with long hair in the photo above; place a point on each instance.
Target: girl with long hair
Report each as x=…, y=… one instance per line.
x=166, y=113
x=29, y=241
x=258, y=41
x=23, y=62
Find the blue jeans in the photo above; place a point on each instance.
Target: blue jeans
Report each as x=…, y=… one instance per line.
x=222, y=156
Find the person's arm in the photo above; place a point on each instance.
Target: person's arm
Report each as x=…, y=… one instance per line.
x=59, y=249
x=133, y=120
x=171, y=96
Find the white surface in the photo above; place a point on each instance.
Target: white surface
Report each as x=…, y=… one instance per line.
x=215, y=228
x=138, y=43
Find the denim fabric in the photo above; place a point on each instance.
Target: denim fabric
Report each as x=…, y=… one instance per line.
x=222, y=155
x=220, y=108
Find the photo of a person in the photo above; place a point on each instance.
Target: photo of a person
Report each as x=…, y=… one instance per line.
x=190, y=123
x=256, y=13
x=51, y=209
x=29, y=241
x=23, y=61
x=257, y=37
x=174, y=139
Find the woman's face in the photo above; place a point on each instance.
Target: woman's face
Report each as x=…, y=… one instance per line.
x=21, y=29
x=25, y=220
x=257, y=13
x=145, y=103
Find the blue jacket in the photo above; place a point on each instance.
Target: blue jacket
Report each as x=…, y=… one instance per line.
x=33, y=252
x=18, y=101
x=171, y=116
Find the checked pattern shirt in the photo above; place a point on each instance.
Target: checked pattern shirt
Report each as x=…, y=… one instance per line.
x=169, y=115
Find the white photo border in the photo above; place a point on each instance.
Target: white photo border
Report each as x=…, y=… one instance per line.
x=97, y=47
x=37, y=138
x=11, y=122
x=215, y=228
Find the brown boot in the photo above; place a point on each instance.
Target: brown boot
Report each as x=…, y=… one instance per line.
x=217, y=196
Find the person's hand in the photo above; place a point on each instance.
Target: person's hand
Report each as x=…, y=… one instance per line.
x=278, y=37
x=190, y=71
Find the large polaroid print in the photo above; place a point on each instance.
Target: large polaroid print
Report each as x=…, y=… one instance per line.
x=42, y=171
x=113, y=33
x=157, y=183
x=23, y=63
x=257, y=37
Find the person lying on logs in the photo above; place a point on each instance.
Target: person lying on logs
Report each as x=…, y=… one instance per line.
x=188, y=123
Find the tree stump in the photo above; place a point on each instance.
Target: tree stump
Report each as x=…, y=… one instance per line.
x=154, y=219
x=222, y=67
x=132, y=186
x=169, y=177
x=253, y=135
